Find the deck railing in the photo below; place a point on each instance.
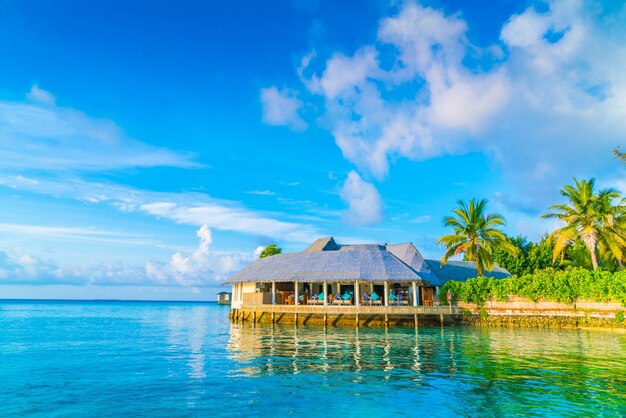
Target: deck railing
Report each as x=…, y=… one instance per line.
x=352, y=309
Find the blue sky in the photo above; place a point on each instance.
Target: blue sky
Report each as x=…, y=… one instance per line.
x=149, y=151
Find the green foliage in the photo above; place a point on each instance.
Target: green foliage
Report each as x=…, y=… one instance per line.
x=270, y=250
x=617, y=152
x=593, y=218
x=483, y=314
x=475, y=235
x=619, y=317
x=538, y=256
x=564, y=286
x=530, y=256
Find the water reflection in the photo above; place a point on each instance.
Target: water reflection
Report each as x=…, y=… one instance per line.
x=559, y=367
x=271, y=350
x=189, y=329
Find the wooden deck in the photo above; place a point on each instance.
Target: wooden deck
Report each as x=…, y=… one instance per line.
x=344, y=315
x=353, y=310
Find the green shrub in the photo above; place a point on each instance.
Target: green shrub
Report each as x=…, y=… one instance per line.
x=565, y=286
x=619, y=317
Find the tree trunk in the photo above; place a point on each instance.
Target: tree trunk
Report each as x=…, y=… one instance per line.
x=592, y=251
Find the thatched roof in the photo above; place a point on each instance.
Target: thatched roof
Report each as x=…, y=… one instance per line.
x=325, y=260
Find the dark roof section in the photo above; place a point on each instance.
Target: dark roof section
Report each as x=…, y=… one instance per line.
x=463, y=270
x=325, y=260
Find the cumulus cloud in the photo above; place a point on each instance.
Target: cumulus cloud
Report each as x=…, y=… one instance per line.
x=201, y=267
x=22, y=268
x=545, y=102
x=39, y=134
x=371, y=129
x=364, y=203
x=281, y=108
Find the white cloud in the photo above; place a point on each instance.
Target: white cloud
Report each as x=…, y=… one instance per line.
x=75, y=234
x=202, y=267
x=281, y=108
x=262, y=192
x=186, y=208
x=364, y=203
x=547, y=101
x=343, y=74
x=371, y=129
x=42, y=96
x=43, y=136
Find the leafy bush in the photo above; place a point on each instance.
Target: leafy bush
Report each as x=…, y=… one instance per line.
x=619, y=317
x=565, y=286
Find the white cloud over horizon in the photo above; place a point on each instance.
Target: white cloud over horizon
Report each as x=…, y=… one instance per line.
x=200, y=268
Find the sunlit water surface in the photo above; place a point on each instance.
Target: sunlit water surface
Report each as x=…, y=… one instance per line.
x=183, y=359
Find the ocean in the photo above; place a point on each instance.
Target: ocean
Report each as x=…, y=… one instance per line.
x=172, y=359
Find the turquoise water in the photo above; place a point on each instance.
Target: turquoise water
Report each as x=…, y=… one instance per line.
x=186, y=359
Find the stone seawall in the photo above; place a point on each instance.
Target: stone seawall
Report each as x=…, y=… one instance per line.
x=540, y=321
x=522, y=312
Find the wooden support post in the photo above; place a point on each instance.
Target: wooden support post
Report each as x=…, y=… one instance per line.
x=273, y=293
x=325, y=291
x=295, y=302
x=415, y=320
x=386, y=320
x=414, y=293
x=357, y=294
x=386, y=296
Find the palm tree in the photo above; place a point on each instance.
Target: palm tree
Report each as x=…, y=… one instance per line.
x=592, y=218
x=476, y=235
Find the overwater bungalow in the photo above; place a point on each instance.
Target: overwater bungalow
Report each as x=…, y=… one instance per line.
x=224, y=298
x=345, y=281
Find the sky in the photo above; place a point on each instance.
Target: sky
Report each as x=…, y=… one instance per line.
x=151, y=150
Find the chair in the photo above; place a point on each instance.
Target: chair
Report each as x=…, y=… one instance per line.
x=375, y=299
x=392, y=298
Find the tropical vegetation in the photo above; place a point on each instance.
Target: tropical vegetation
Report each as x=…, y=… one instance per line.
x=564, y=286
x=593, y=218
x=582, y=259
x=270, y=250
x=476, y=235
